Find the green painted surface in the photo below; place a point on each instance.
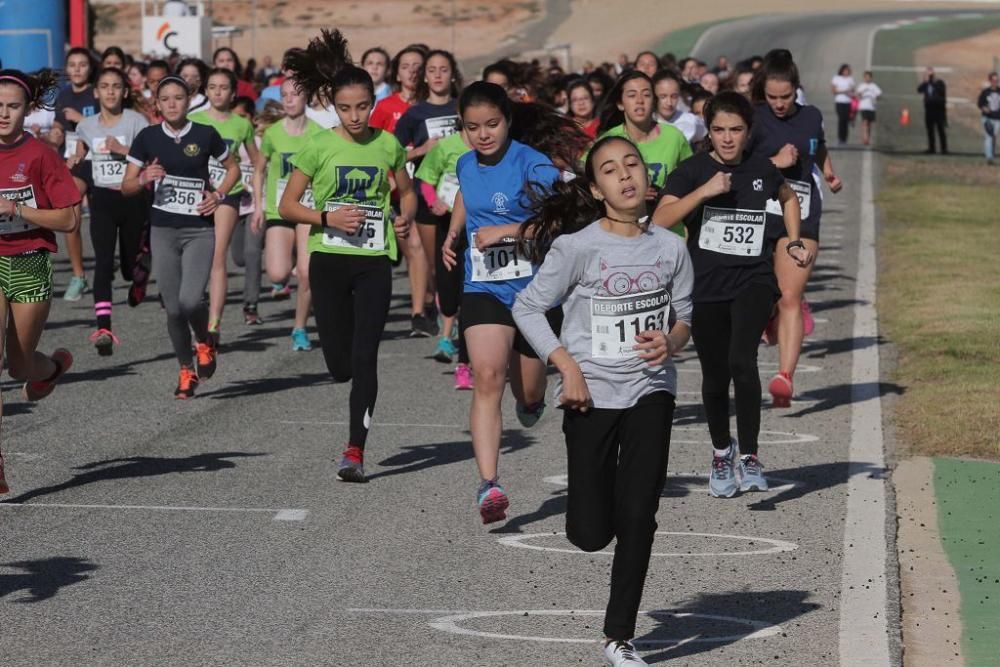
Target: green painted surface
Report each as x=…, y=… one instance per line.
x=896, y=48
x=968, y=499
x=681, y=42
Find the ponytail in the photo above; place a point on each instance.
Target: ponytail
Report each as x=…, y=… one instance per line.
x=38, y=88
x=325, y=66
x=778, y=66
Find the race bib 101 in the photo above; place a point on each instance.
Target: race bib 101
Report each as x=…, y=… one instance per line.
x=12, y=224
x=370, y=234
x=502, y=261
x=803, y=190
x=179, y=195
x=615, y=321
x=732, y=231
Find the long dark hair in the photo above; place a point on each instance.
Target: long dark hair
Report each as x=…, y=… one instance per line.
x=778, y=66
x=199, y=65
x=729, y=101
x=114, y=51
x=564, y=207
x=38, y=88
x=324, y=67
x=127, y=92
x=581, y=83
x=424, y=90
x=394, y=65
x=237, y=65
x=611, y=115
x=222, y=71
x=83, y=51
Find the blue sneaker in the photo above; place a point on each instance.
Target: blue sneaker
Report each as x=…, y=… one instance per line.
x=529, y=415
x=751, y=472
x=300, y=341
x=492, y=501
x=722, y=482
x=445, y=351
x=76, y=288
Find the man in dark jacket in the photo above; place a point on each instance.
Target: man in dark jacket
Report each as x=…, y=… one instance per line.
x=989, y=106
x=935, y=113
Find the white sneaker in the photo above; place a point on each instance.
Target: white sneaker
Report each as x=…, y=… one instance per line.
x=623, y=654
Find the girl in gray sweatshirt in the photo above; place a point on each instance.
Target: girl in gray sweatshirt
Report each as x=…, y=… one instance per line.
x=625, y=289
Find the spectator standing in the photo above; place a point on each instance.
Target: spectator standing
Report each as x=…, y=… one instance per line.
x=842, y=86
x=989, y=106
x=935, y=97
x=867, y=92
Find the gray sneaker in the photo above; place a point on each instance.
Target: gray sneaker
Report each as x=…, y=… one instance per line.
x=722, y=482
x=623, y=654
x=752, y=474
x=529, y=415
x=74, y=291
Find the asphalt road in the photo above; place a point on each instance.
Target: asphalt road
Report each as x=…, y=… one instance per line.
x=212, y=531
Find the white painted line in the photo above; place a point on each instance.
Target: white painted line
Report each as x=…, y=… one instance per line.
x=450, y=624
x=766, y=437
x=22, y=456
x=785, y=484
x=767, y=367
x=777, y=546
x=864, y=633
x=374, y=423
x=279, y=514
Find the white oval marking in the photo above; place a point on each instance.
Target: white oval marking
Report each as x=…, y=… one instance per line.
x=785, y=485
x=777, y=546
x=450, y=624
x=766, y=437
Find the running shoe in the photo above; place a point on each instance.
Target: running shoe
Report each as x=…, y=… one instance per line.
x=622, y=654
x=352, y=465
x=136, y=294
x=104, y=341
x=187, y=382
x=445, y=351
x=529, y=415
x=492, y=501
x=751, y=472
x=781, y=390
x=300, y=341
x=4, y=488
x=770, y=336
x=463, y=378
x=205, y=355
x=722, y=482
x=36, y=390
x=74, y=291
x=250, y=315
x=421, y=327
x=280, y=292
x=808, y=323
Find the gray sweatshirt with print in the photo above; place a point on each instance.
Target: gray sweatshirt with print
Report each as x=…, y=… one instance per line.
x=611, y=287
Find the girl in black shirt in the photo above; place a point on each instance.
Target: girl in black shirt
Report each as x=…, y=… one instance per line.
x=722, y=196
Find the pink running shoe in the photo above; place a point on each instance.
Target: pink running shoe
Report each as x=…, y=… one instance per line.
x=781, y=390
x=808, y=323
x=463, y=378
x=36, y=390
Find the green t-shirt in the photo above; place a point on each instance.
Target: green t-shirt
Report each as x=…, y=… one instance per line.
x=278, y=147
x=345, y=172
x=439, y=167
x=235, y=131
x=662, y=154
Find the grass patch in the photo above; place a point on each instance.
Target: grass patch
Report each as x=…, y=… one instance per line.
x=939, y=301
x=895, y=48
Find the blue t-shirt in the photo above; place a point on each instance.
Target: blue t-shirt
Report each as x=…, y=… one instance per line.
x=495, y=195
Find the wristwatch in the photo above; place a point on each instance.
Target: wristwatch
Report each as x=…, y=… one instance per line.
x=797, y=243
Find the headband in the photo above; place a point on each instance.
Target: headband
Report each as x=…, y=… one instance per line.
x=19, y=82
x=173, y=78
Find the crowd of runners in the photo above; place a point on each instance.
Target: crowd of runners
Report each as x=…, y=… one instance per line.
x=594, y=223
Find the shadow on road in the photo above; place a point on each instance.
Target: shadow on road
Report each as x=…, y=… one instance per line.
x=713, y=615
x=43, y=578
x=810, y=479
x=267, y=385
x=137, y=466
x=415, y=458
x=839, y=395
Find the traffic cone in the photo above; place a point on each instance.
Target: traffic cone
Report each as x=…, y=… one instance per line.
x=904, y=117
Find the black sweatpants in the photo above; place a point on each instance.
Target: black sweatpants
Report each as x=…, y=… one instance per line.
x=617, y=468
x=843, y=120
x=726, y=336
x=449, y=283
x=114, y=221
x=934, y=121
x=350, y=295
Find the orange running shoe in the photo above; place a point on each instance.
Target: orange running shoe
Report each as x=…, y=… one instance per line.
x=187, y=382
x=205, y=356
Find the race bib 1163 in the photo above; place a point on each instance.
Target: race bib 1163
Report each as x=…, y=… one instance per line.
x=615, y=321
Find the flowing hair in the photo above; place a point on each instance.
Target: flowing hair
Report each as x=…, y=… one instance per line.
x=39, y=88
x=564, y=207
x=325, y=66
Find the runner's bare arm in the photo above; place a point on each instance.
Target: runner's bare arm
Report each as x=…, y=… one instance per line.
x=56, y=219
x=232, y=176
x=448, y=256
x=672, y=210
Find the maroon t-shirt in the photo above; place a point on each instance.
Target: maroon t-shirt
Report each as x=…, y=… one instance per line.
x=33, y=173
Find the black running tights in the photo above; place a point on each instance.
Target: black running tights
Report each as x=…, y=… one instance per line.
x=351, y=295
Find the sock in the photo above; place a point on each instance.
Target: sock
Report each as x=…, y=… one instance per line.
x=103, y=311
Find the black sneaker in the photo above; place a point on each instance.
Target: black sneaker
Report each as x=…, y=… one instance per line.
x=250, y=315
x=420, y=327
